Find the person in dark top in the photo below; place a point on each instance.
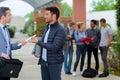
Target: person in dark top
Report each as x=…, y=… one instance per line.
x=51, y=57
x=93, y=45
x=68, y=48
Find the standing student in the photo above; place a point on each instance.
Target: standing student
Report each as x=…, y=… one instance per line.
x=92, y=47
x=106, y=38
x=68, y=48
x=51, y=58
x=5, y=44
x=79, y=34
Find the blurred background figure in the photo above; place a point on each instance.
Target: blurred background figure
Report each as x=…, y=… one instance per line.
x=80, y=47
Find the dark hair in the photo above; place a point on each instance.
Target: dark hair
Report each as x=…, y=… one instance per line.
x=54, y=10
x=94, y=21
x=103, y=20
x=3, y=11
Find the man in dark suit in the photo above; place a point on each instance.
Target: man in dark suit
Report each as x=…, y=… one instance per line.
x=5, y=44
x=51, y=58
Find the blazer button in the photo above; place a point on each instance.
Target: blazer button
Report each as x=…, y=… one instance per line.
x=6, y=46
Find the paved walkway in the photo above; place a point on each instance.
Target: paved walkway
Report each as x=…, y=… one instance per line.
x=30, y=69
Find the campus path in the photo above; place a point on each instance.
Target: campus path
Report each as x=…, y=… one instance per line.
x=30, y=69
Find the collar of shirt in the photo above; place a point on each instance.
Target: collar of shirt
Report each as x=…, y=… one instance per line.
x=51, y=25
x=94, y=27
x=1, y=25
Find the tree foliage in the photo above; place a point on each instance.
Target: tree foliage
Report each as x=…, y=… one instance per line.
x=117, y=45
x=118, y=12
x=66, y=9
x=100, y=5
x=29, y=26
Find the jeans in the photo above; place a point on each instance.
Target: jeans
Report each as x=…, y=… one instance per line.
x=68, y=55
x=103, y=51
x=80, y=51
x=95, y=53
x=51, y=72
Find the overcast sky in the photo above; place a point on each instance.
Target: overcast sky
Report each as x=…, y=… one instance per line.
x=20, y=9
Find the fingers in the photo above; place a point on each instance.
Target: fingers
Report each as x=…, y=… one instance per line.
x=69, y=36
x=87, y=42
x=37, y=56
x=5, y=55
x=33, y=40
x=23, y=42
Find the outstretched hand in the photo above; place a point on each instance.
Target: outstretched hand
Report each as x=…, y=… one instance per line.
x=33, y=40
x=23, y=42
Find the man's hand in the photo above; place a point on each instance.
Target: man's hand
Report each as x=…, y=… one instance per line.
x=96, y=46
x=5, y=55
x=33, y=40
x=87, y=42
x=23, y=42
x=37, y=56
x=69, y=36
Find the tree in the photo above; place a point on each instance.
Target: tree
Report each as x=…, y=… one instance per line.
x=29, y=26
x=117, y=45
x=101, y=5
x=66, y=10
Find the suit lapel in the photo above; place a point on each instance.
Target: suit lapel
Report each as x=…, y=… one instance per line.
x=2, y=35
x=8, y=34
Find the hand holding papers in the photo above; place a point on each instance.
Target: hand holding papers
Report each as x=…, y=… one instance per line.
x=30, y=38
x=25, y=41
x=87, y=40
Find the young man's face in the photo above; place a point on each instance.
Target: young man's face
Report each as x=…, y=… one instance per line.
x=48, y=16
x=102, y=24
x=8, y=16
x=92, y=24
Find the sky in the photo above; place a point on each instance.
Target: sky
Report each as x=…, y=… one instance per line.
x=20, y=9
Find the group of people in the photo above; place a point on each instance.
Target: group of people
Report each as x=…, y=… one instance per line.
x=101, y=38
x=53, y=43
x=51, y=54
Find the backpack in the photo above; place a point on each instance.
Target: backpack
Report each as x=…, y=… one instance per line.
x=89, y=73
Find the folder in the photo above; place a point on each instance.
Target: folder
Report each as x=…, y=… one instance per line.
x=10, y=67
x=86, y=39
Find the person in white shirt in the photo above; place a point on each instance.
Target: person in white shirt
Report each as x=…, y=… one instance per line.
x=106, y=38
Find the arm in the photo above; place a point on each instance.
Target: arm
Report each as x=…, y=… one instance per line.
x=110, y=39
x=98, y=38
x=16, y=45
x=57, y=42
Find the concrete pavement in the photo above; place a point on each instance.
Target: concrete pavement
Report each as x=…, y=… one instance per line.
x=30, y=69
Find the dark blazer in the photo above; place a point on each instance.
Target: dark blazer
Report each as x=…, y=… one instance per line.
x=54, y=44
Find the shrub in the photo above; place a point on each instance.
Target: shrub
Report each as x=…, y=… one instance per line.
x=11, y=30
x=40, y=26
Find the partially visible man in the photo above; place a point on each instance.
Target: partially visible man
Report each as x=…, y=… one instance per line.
x=51, y=58
x=5, y=44
x=106, y=38
x=68, y=48
x=93, y=45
